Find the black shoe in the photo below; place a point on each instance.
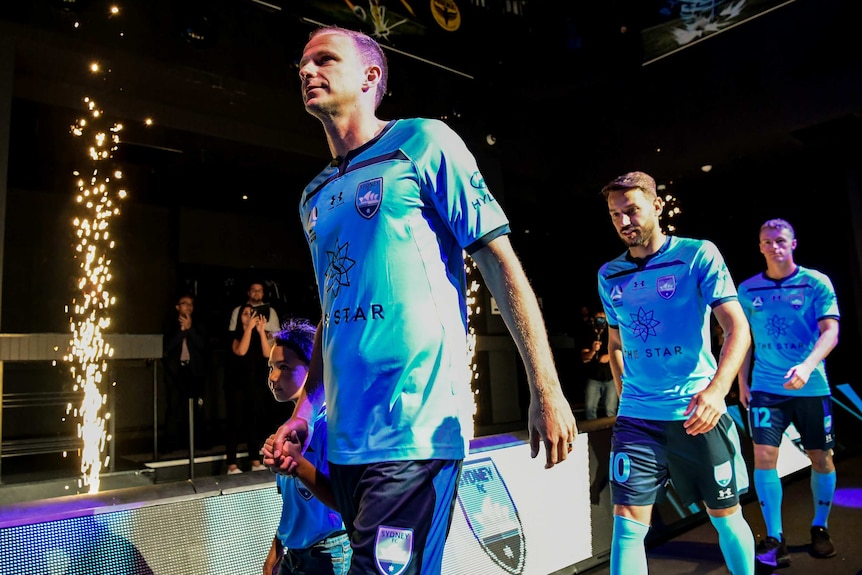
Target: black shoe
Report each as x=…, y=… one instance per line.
x=771, y=554
x=821, y=543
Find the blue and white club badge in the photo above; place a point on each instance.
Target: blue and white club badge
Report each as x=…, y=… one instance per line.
x=368, y=197
x=666, y=286
x=302, y=490
x=491, y=514
x=723, y=473
x=393, y=549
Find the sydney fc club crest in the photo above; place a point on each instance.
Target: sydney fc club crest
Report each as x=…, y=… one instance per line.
x=393, y=549
x=797, y=300
x=491, y=515
x=368, y=197
x=303, y=491
x=723, y=473
x=666, y=286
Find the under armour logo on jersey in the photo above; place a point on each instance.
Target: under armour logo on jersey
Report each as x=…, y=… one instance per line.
x=335, y=200
x=826, y=503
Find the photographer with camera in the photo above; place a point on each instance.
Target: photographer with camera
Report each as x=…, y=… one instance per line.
x=600, y=385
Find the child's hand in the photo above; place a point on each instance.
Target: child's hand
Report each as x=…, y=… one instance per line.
x=292, y=452
x=292, y=447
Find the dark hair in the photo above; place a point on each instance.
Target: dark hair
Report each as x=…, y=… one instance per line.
x=630, y=181
x=297, y=334
x=185, y=294
x=239, y=329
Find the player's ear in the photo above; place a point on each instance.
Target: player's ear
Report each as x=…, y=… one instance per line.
x=372, y=77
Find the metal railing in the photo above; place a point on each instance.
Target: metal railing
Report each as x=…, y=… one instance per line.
x=52, y=347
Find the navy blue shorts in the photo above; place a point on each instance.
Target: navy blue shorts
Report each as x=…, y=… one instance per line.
x=647, y=454
x=397, y=513
x=769, y=415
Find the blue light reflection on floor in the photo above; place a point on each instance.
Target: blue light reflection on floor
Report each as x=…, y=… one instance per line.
x=849, y=497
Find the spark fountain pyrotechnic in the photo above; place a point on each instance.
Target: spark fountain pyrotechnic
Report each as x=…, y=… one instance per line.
x=473, y=310
x=98, y=197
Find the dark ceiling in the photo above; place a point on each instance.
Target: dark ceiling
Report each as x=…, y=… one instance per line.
x=562, y=88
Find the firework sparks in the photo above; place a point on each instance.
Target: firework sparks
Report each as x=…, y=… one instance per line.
x=97, y=198
x=473, y=310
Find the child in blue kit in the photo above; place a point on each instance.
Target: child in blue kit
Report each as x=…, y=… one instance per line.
x=311, y=537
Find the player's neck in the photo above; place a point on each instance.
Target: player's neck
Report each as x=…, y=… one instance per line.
x=655, y=243
x=781, y=270
x=347, y=133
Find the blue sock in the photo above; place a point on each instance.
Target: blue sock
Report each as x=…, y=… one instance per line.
x=770, y=493
x=736, y=541
x=823, y=489
x=628, y=554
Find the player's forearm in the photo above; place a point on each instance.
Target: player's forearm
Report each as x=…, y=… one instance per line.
x=616, y=363
x=528, y=332
x=737, y=344
x=745, y=368
x=507, y=282
x=823, y=346
x=615, y=358
x=312, y=396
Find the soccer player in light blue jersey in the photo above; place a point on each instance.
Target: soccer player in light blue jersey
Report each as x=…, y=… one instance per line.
x=672, y=421
x=794, y=316
x=388, y=222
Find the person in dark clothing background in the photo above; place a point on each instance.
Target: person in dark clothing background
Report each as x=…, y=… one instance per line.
x=185, y=363
x=600, y=386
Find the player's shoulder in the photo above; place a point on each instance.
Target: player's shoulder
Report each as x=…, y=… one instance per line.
x=815, y=274
x=431, y=128
x=752, y=281
x=694, y=244
x=612, y=266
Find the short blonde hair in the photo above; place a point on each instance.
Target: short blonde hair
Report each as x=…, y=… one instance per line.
x=778, y=224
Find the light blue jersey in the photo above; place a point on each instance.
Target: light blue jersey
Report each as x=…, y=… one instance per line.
x=305, y=520
x=387, y=229
x=783, y=315
x=661, y=306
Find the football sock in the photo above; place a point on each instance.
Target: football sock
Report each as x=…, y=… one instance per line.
x=770, y=493
x=736, y=542
x=823, y=490
x=628, y=554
